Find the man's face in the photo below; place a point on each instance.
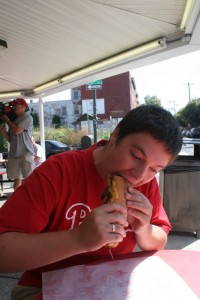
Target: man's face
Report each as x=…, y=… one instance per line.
x=137, y=157
x=19, y=109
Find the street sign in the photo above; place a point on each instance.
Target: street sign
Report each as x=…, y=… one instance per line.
x=95, y=85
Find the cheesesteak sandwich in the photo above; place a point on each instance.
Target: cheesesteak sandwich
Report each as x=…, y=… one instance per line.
x=116, y=187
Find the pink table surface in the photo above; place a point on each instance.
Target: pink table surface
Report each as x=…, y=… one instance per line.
x=185, y=263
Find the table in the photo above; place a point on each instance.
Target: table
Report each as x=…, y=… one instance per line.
x=182, y=267
x=196, y=143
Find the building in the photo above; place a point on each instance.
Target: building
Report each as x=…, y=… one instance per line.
x=67, y=110
x=117, y=96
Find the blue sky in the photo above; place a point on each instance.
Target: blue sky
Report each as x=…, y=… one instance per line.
x=168, y=80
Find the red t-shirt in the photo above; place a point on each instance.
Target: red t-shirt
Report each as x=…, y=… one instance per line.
x=58, y=195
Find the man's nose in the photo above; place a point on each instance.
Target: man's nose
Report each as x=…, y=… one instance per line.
x=139, y=173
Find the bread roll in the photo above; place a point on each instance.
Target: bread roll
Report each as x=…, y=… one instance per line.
x=116, y=187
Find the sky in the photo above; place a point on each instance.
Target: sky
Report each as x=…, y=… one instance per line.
x=171, y=81
x=65, y=95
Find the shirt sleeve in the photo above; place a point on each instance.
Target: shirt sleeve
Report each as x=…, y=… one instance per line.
x=26, y=123
x=31, y=206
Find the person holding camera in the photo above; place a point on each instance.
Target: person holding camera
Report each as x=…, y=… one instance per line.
x=20, y=156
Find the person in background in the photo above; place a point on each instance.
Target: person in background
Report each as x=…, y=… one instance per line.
x=20, y=156
x=38, y=153
x=57, y=218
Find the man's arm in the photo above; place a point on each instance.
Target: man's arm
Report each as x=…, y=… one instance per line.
x=15, y=129
x=25, y=251
x=151, y=238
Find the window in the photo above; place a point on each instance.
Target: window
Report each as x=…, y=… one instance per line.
x=64, y=110
x=76, y=109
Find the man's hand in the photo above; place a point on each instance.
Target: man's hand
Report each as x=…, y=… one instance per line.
x=139, y=210
x=96, y=230
x=148, y=236
x=5, y=118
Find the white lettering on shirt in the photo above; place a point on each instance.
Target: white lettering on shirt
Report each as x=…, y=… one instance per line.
x=77, y=212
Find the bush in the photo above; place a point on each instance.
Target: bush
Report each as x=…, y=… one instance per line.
x=3, y=142
x=64, y=135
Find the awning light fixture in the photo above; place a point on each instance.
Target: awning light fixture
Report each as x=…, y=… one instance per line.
x=187, y=13
x=107, y=63
x=9, y=95
x=47, y=85
x=118, y=59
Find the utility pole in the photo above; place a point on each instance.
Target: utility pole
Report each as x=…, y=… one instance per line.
x=189, y=94
x=95, y=85
x=94, y=116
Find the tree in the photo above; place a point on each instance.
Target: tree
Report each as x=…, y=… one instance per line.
x=3, y=142
x=35, y=117
x=56, y=120
x=152, y=100
x=190, y=115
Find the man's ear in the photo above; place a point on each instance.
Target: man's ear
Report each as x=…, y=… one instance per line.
x=113, y=136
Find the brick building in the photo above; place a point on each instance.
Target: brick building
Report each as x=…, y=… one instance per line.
x=117, y=96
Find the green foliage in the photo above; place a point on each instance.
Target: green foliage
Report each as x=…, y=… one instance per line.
x=105, y=135
x=3, y=142
x=152, y=100
x=190, y=115
x=35, y=117
x=56, y=120
x=65, y=135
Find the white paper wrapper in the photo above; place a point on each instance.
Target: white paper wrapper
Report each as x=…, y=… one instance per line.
x=147, y=278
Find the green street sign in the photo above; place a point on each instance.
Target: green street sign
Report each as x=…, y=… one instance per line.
x=95, y=85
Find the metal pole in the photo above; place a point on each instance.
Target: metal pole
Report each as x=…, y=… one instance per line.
x=42, y=135
x=189, y=95
x=189, y=91
x=94, y=116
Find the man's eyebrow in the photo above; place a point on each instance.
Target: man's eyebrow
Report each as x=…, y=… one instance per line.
x=139, y=148
x=143, y=152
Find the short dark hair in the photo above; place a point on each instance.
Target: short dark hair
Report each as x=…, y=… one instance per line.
x=156, y=121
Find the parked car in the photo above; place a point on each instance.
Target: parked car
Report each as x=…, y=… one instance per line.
x=193, y=133
x=4, y=161
x=54, y=147
x=5, y=155
x=51, y=147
